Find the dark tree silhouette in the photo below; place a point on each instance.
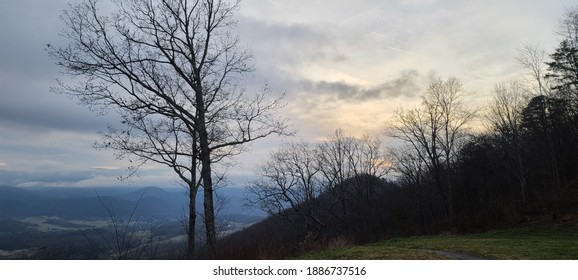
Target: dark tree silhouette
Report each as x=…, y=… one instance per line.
x=173, y=71
x=435, y=132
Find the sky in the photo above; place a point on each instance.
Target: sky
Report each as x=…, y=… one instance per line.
x=341, y=64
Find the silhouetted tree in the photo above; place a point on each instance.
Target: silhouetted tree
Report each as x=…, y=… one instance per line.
x=289, y=185
x=532, y=59
x=435, y=132
x=412, y=175
x=172, y=70
x=330, y=186
x=504, y=118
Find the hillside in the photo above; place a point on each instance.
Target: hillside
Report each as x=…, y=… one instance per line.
x=366, y=209
x=362, y=209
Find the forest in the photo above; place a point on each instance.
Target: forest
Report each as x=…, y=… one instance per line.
x=441, y=167
x=173, y=72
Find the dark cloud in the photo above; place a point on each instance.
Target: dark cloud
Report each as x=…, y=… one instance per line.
x=27, y=72
x=26, y=27
x=46, y=111
x=280, y=50
x=287, y=44
x=284, y=47
x=404, y=86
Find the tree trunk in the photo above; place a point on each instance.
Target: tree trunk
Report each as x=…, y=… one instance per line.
x=193, y=188
x=210, y=231
x=521, y=175
x=206, y=175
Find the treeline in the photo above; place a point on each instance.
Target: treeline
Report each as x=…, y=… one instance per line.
x=451, y=168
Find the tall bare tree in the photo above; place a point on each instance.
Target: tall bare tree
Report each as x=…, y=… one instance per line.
x=436, y=131
x=532, y=60
x=563, y=67
x=504, y=117
x=173, y=70
x=411, y=173
x=568, y=26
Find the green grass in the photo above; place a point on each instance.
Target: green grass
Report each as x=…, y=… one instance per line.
x=546, y=242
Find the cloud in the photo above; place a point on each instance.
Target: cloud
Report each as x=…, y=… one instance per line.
x=318, y=108
x=404, y=86
x=27, y=72
x=288, y=45
x=339, y=63
x=43, y=110
x=96, y=177
x=108, y=168
x=28, y=179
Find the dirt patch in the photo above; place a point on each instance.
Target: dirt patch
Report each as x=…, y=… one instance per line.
x=456, y=256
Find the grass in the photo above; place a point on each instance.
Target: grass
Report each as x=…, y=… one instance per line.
x=545, y=242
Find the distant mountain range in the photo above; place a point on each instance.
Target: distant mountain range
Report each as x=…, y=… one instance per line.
x=87, y=203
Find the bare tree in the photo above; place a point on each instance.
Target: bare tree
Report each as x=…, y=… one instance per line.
x=350, y=168
x=173, y=71
x=411, y=173
x=531, y=58
x=343, y=157
x=436, y=131
x=289, y=180
x=127, y=237
x=563, y=66
x=548, y=85
x=340, y=167
x=504, y=117
x=568, y=26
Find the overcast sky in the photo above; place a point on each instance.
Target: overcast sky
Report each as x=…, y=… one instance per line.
x=342, y=64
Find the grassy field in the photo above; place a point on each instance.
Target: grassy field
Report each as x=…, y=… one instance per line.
x=545, y=242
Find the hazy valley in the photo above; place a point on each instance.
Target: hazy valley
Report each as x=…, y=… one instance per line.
x=87, y=223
